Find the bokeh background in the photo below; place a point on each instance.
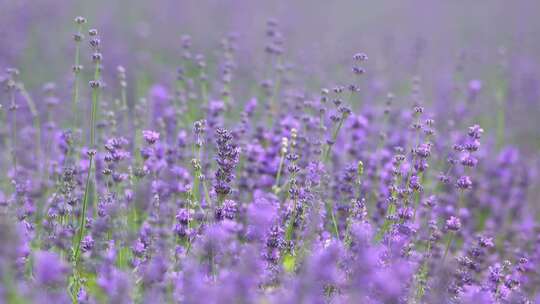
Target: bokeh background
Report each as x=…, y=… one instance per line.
x=446, y=44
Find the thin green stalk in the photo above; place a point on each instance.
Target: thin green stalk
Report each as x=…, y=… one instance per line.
x=280, y=168
x=389, y=211
x=123, y=99
x=206, y=192
x=289, y=259
x=197, y=183
x=461, y=200
x=91, y=169
x=93, y=132
x=330, y=208
x=326, y=155
x=448, y=243
x=387, y=223
x=76, y=71
x=416, y=199
x=93, y=116
x=500, y=94
x=290, y=225
x=205, y=187
x=423, y=275
x=278, y=175
x=82, y=218
x=273, y=105
x=204, y=93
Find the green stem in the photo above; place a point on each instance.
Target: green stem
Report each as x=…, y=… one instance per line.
x=330, y=208
x=278, y=175
x=93, y=116
x=76, y=72
x=326, y=155
x=124, y=111
x=82, y=218
x=423, y=275
x=448, y=243
x=417, y=198
x=387, y=223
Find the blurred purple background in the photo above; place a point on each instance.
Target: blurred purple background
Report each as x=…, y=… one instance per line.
x=445, y=43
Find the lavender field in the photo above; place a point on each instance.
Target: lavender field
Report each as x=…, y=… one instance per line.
x=184, y=151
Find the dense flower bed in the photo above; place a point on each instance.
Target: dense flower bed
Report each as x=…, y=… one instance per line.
x=186, y=194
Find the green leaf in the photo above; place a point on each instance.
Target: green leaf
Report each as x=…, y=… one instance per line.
x=289, y=262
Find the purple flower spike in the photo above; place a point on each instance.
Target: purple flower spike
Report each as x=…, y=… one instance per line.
x=150, y=136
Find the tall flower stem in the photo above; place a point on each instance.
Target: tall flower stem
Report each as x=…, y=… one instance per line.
x=326, y=154
x=283, y=152
x=448, y=244
x=82, y=218
x=76, y=72
x=95, y=100
x=91, y=174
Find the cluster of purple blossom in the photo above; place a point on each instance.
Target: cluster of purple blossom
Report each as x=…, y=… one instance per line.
x=185, y=194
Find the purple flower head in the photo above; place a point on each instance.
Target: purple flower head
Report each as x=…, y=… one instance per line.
x=87, y=243
x=464, y=182
x=182, y=216
x=150, y=136
x=453, y=224
x=485, y=242
x=227, y=158
x=475, y=132
x=469, y=161
x=228, y=210
x=423, y=151
x=360, y=57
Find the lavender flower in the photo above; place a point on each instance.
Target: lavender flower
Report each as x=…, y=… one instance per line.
x=150, y=136
x=453, y=224
x=227, y=158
